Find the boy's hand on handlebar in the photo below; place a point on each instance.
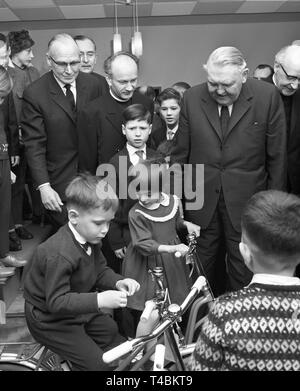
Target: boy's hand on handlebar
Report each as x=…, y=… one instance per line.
x=128, y=285
x=112, y=299
x=192, y=228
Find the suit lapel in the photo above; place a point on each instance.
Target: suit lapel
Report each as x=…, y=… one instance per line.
x=240, y=108
x=210, y=108
x=81, y=93
x=59, y=98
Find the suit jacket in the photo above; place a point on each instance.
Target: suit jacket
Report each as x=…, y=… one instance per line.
x=103, y=117
x=249, y=158
x=105, y=86
x=293, y=146
x=57, y=144
x=119, y=234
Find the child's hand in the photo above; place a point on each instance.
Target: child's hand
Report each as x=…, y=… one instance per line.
x=112, y=299
x=120, y=253
x=180, y=250
x=128, y=285
x=192, y=228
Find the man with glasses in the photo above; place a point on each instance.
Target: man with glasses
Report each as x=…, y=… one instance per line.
x=287, y=80
x=57, y=147
x=235, y=127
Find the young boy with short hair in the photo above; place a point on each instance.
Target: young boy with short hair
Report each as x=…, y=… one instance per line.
x=63, y=286
x=257, y=327
x=137, y=128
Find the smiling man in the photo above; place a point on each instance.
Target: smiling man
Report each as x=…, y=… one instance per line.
x=236, y=128
x=57, y=147
x=287, y=79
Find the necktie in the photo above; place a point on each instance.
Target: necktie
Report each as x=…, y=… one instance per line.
x=170, y=134
x=70, y=96
x=140, y=154
x=85, y=246
x=224, y=119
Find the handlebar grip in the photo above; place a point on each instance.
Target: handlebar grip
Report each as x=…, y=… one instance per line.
x=149, y=307
x=118, y=351
x=178, y=254
x=199, y=283
x=159, y=357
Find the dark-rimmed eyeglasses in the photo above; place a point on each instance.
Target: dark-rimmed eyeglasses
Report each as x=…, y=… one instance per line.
x=290, y=77
x=64, y=65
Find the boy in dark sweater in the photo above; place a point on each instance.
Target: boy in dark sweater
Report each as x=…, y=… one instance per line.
x=257, y=328
x=63, y=286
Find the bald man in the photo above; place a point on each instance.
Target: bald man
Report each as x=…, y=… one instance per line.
x=105, y=113
x=287, y=80
x=57, y=147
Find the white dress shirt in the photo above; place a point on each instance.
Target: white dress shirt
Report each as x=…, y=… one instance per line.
x=80, y=239
x=133, y=157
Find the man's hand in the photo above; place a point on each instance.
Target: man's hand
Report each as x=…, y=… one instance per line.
x=120, y=253
x=12, y=177
x=128, y=285
x=112, y=299
x=192, y=228
x=50, y=199
x=15, y=160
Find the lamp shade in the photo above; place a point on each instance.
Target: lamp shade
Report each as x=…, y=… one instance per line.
x=117, y=43
x=137, y=44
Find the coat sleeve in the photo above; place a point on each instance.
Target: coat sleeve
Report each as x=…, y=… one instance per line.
x=11, y=125
x=141, y=235
x=276, y=155
x=106, y=277
x=35, y=137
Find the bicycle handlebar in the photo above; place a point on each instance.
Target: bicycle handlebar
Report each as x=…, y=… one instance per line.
x=129, y=346
x=149, y=307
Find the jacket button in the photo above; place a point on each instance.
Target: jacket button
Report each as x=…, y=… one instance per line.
x=217, y=191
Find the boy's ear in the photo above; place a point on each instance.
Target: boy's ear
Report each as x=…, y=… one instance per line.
x=73, y=216
x=123, y=129
x=246, y=253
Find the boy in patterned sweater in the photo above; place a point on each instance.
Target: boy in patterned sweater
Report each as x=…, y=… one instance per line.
x=258, y=327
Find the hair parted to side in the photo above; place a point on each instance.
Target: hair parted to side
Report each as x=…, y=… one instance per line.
x=136, y=111
x=89, y=192
x=84, y=38
x=6, y=83
x=181, y=84
x=169, y=93
x=271, y=221
x=108, y=62
x=226, y=55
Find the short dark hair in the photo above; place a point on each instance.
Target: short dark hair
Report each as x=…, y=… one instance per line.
x=108, y=62
x=89, y=192
x=19, y=40
x=169, y=93
x=264, y=66
x=271, y=221
x=3, y=39
x=136, y=111
x=84, y=38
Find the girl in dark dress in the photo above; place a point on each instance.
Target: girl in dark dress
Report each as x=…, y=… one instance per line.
x=154, y=221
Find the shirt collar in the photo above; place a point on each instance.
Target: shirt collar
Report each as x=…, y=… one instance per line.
x=80, y=239
x=274, y=279
x=132, y=150
x=165, y=200
x=118, y=99
x=174, y=130
x=62, y=85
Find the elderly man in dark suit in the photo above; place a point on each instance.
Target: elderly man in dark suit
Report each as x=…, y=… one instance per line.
x=236, y=128
x=287, y=80
x=57, y=147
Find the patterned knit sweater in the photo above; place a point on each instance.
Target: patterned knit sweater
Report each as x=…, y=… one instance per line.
x=254, y=329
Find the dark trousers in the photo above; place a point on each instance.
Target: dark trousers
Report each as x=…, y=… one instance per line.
x=17, y=192
x=238, y=275
x=5, y=200
x=81, y=339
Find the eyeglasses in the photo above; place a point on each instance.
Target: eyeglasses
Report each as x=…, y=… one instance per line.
x=289, y=77
x=64, y=65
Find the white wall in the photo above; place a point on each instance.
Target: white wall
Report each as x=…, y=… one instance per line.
x=176, y=48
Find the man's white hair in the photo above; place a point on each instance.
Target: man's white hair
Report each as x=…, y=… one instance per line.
x=290, y=52
x=226, y=55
